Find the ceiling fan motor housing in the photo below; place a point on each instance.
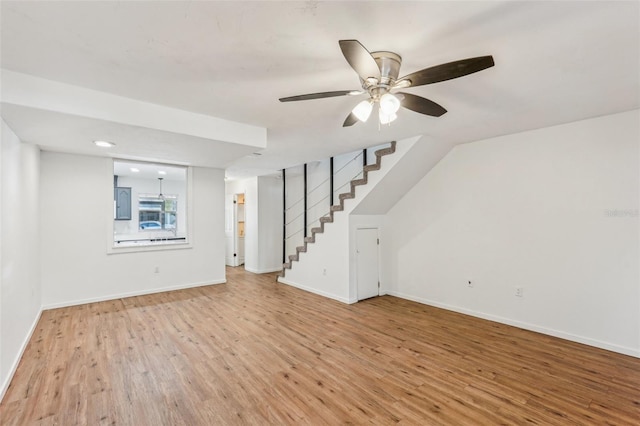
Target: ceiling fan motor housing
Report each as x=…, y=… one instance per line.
x=389, y=64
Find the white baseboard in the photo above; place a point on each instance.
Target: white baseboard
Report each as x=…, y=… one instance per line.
x=263, y=271
x=526, y=326
x=16, y=361
x=315, y=291
x=129, y=294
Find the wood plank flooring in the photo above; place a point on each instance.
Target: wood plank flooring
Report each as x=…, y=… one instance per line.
x=253, y=351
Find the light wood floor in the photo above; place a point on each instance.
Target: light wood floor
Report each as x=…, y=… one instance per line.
x=253, y=351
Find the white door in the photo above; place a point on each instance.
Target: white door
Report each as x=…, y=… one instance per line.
x=367, y=259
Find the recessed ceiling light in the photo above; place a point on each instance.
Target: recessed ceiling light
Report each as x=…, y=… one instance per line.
x=162, y=172
x=104, y=144
x=134, y=170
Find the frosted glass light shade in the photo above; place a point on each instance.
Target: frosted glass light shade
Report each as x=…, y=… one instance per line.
x=363, y=110
x=387, y=118
x=389, y=104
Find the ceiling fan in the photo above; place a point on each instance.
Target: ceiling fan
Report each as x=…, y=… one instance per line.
x=378, y=72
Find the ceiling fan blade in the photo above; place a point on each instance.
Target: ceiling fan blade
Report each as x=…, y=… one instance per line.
x=421, y=105
x=321, y=95
x=447, y=71
x=350, y=121
x=360, y=59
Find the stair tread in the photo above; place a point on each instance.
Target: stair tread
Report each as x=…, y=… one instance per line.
x=384, y=151
x=346, y=195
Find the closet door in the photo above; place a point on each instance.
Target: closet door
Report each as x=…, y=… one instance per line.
x=367, y=252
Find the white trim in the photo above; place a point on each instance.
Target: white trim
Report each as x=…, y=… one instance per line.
x=130, y=294
x=148, y=246
x=524, y=325
x=18, y=357
x=263, y=271
x=315, y=291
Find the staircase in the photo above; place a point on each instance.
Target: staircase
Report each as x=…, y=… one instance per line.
x=328, y=218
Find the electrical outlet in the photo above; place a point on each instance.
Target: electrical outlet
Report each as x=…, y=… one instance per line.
x=469, y=283
x=324, y=271
x=157, y=270
x=519, y=291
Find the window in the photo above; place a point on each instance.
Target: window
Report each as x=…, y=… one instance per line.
x=150, y=204
x=158, y=212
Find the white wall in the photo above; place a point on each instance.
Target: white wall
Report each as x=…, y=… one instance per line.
x=251, y=224
x=371, y=152
x=346, y=167
x=324, y=268
x=318, y=189
x=294, y=179
x=263, y=222
x=20, y=293
x=75, y=194
x=554, y=211
x=425, y=153
x=269, y=225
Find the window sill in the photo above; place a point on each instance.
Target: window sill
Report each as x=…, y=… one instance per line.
x=154, y=244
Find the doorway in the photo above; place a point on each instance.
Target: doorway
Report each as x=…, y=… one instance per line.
x=239, y=234
x=234, y=229
x=367, y=263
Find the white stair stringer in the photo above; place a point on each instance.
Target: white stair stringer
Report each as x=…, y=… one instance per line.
x=322, y=265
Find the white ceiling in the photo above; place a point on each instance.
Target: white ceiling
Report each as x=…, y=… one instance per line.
x=556, y=62
x=149, y=170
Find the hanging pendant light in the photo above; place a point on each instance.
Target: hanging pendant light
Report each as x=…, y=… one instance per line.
x=160, y=195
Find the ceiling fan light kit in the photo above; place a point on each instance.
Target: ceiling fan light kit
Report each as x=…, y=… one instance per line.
x=389, y=104
x=386, y=118
x=378, y=72
x=363, y=110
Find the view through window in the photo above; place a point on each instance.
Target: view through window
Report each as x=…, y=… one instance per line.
x=149, y=203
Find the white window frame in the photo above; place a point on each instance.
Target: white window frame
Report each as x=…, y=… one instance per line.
x=147, y=246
